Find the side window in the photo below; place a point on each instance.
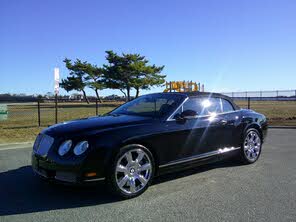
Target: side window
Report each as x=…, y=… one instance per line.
x=203, y=106
x=192, y=104
x=212, y=106
x=227, y=107
x=151, y=106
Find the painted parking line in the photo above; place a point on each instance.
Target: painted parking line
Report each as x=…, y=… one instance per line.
x=15, y=146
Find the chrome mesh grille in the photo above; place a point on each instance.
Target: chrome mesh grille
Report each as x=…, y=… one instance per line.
x=42, y=144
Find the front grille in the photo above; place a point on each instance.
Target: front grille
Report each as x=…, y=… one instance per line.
x=42, y=144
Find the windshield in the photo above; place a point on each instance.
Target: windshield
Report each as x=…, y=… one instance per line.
x=154, y=105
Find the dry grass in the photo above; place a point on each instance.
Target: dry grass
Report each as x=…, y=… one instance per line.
x=279, y=113
x=22, y=122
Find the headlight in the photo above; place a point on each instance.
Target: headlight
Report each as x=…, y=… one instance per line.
x=80, y=148
x=65, y=147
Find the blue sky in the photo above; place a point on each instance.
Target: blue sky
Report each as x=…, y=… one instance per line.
x=228, y=45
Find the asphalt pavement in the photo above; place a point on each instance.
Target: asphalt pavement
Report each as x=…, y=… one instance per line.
x=225, y=191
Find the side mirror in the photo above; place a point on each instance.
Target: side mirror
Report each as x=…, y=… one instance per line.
x=189, y=114
x=178, y=117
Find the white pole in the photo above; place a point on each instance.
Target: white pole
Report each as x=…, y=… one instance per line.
x=56, y=80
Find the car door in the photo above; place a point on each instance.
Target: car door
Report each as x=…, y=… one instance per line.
x=194, y=136
x=179, y=136
x=222, y=126
x=210, y=129
x=232, y=119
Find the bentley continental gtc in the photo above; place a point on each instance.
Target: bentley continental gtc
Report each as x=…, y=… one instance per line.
x=146, y=137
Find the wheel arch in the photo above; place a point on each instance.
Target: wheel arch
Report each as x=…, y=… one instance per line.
x=253, y=126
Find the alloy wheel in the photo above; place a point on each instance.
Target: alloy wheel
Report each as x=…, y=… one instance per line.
x=252, y=145
x=133, y=171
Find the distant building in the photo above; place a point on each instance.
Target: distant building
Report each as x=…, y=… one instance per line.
x=76, y=96
x=114, y=97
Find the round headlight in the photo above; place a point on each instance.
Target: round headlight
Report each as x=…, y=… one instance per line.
x=65, y=147
x=80, y=148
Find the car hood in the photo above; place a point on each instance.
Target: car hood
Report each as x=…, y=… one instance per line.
x=96, y=123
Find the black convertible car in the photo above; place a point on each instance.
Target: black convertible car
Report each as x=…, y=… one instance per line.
x=148, y=136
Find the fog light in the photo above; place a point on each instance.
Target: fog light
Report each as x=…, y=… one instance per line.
x=65, y=147
x=80, y=148
x=91, y=174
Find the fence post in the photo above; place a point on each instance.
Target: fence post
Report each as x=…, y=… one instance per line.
x=260, y=95
x=38, y=106
x=97, y=107
x=56, y=108
x=249, y=105
x=232, y=95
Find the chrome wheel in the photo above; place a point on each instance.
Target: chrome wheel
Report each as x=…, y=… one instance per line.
x=133, y=171
x=252, y=146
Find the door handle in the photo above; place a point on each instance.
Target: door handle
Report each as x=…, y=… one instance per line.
x=223, y=122
x=219, y=122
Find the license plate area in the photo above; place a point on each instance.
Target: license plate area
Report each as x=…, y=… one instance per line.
x=65, y=176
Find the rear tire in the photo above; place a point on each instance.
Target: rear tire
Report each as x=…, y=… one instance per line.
x=132, y=171
x=251, y=146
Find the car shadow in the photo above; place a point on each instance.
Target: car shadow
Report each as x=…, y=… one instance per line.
x=21, y=192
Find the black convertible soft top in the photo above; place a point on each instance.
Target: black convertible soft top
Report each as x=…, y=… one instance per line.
x=206, y=94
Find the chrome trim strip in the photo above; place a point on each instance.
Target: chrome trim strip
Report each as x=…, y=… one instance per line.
x=201, y=116
x=201, y=156
x=95, y=179
x=170, y=118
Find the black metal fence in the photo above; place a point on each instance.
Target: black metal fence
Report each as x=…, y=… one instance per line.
x=60, y=104
x=46, y=112
x=279, y=107
x=276, y=95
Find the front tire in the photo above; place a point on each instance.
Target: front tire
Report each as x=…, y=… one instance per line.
x=132, y=171
x=251, y=146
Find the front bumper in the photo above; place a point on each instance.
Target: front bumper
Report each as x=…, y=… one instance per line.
x=67, y=174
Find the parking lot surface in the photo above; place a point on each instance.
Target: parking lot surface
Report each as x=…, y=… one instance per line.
x=225, y=191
